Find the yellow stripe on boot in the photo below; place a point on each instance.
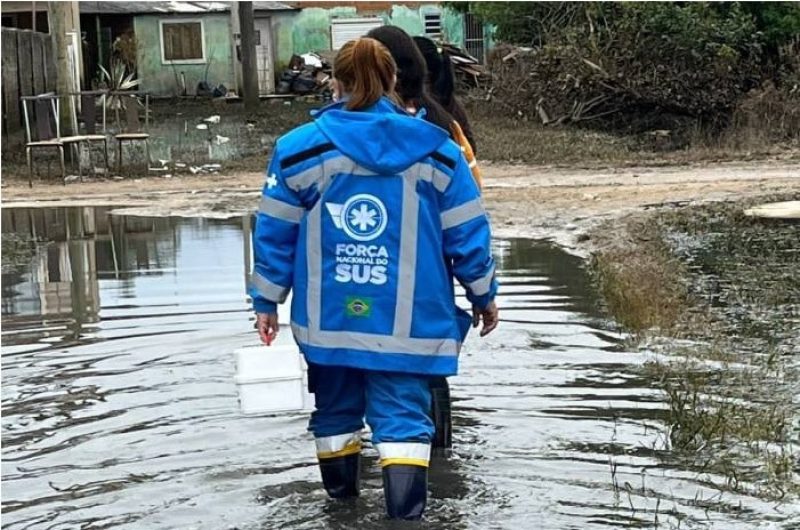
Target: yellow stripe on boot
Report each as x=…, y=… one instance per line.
x=404, y=462
x=404, y=453
x=350, y=449
x=338, y=445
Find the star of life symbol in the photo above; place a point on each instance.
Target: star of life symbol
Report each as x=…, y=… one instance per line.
x=362, y=217
x=272, y=181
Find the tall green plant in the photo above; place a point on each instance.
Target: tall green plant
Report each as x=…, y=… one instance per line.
x=118, y=80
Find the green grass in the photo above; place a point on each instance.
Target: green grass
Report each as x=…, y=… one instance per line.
x=729, y=283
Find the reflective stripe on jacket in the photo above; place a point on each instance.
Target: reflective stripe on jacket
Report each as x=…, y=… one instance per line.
x=368, y=215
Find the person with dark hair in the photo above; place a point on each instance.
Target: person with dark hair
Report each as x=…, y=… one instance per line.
x=442, y=84
x=369, y=214
x=412, y=74
x=412, y=87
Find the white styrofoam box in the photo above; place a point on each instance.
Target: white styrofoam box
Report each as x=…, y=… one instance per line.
x=272, y=379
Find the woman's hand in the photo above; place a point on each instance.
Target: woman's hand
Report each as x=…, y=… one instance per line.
x=267, y=326
x=489, y=315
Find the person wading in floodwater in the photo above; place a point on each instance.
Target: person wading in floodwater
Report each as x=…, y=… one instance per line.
x=368, y=213
x=412, y=89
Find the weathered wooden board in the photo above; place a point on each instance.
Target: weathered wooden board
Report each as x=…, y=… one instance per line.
x=11, y=102
x=24, y=63
x=37, y=64
x=776, y=210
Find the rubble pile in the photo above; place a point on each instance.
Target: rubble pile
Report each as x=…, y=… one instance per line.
x=307, y=74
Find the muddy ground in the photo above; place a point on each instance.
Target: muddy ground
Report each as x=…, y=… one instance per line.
x=527, y=201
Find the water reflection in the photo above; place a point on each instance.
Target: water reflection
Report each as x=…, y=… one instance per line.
x=75, y=251
x=119, y=408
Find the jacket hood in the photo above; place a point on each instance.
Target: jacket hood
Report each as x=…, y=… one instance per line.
x=382, y=138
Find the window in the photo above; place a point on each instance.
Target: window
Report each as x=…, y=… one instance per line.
x=433, y=25
x=473, y=37
x=182, y=41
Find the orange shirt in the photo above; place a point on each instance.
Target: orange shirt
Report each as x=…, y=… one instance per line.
x=466, y=148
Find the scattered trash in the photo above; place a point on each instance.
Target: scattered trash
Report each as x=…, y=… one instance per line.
x=309, y=73
x=201, y=127
x=71, y=178
x=312, y=59
x=180, y=165
x=212, y=119
x=219, y=140
x=168, y=176
x=206, y=90
x=205, y=168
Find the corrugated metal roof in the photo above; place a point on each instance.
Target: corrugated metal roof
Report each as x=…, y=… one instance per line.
x=133, y=8
x=140, y=8
x=274, y=6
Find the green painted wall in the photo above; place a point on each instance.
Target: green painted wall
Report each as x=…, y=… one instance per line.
x=164, y=79
x=309, y=29
x=408, y=19
x=453, y=27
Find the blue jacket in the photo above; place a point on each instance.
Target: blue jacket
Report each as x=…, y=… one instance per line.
x=368, y=215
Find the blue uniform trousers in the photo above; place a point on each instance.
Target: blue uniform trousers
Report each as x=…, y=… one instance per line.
x=396, y=406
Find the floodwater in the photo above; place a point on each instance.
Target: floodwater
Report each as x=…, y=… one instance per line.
x=119, y=408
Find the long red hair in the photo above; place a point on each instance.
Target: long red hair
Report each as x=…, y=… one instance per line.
x=366, y=71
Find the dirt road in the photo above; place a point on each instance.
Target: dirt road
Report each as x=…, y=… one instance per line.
x=526, y=201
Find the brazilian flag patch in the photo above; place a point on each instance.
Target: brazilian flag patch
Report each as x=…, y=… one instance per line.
x=358, y=306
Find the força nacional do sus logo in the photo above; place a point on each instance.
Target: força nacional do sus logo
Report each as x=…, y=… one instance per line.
x=363, y=218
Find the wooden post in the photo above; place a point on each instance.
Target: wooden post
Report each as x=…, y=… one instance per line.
x=98, y=29
x=236, y=31
x=249, y=67
x=75, y=15
x=61, y=21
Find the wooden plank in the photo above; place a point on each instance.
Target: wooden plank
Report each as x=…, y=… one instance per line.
x=12, y=120
x=776, y=210
x=24, y=70
x=49, y=65
x=37, y=63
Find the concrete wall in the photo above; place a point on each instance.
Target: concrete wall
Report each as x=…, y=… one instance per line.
x=309, y=29
x=165, y=79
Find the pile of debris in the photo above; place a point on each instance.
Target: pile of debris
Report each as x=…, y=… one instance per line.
x=307, y=74
x=311, y=73
x=463, y=62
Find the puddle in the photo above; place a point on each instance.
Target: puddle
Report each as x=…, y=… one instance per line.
x=119, y=407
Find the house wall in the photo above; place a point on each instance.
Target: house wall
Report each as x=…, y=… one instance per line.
x=309, y=29
x=165, y=79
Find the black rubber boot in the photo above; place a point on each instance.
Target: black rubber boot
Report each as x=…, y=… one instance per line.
x=440, y=411
x=341, y=475
x=406, y=491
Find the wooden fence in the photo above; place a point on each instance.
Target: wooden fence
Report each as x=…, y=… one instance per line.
x=28, y=69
